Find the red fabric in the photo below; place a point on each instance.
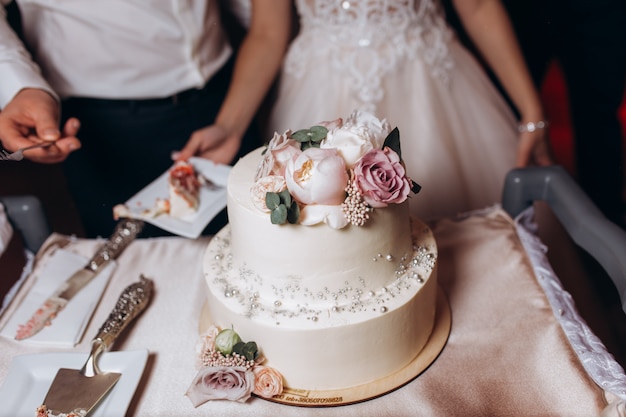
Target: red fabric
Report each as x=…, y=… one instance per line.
x=554, y=96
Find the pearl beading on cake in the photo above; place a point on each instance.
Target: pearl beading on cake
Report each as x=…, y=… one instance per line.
x=351, y=296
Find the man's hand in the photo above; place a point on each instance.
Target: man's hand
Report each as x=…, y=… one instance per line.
x=32, y=117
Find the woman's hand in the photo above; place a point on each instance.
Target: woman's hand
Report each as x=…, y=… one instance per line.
x=533, y=149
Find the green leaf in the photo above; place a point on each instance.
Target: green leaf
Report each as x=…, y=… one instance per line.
x=279, y=215
x=310, y=137
x=293, y=214
x=317, y=133
x=301, y=135
x=250, y=351
x=238, y=347
x=415, y=187
x=393, y=141
x=285, y=197
x=272, y=200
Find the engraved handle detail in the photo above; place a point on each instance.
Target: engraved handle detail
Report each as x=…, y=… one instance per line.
x=125, y=232
x=133, y=300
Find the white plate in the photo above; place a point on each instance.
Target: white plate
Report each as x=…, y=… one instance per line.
x=30, y=376
x=212, y=200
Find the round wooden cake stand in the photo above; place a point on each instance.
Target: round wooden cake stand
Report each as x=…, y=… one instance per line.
x=345, y=396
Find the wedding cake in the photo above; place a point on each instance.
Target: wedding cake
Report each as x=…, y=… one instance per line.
x=321, y=264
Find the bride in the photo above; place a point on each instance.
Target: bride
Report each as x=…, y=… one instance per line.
x=400, y=60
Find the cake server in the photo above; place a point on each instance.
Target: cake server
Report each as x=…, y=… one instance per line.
x=79, y=391
x=125, y=232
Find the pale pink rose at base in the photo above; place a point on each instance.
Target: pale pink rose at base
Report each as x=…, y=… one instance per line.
x=317, y=176
x=221, y=383
x=381, y=178
x=268, y=382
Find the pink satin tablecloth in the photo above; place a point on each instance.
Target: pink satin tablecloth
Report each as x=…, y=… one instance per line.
x=507, y=354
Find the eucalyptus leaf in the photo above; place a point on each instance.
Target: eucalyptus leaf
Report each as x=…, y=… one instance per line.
x=272, y=200
x=250, y=351
x=285, y=197
x=317, y=133
x=301, y=135
x=279, y=215
x=238, y=347
x=293, y=214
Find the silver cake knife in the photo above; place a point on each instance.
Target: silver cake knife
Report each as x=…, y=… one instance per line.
x=125, y=232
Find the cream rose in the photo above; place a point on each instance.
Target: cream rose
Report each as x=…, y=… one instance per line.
x=360, y=133
x=378, y=129
x=268, y=382
x=317, y=176
x=264, y=185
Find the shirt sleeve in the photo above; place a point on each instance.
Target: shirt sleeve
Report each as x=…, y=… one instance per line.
x=17, y=69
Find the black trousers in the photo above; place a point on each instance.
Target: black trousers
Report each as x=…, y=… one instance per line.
x=128, y=143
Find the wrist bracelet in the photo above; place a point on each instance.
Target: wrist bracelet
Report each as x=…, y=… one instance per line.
x=532, y=126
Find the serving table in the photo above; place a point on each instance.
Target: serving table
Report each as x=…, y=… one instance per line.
x=516, y=347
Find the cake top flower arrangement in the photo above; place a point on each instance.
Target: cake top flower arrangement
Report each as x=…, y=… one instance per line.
x=336, y=172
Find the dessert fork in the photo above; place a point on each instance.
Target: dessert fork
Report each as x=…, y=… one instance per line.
x=19, y=154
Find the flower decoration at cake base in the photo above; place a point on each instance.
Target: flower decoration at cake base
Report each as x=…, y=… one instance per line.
x=336, y=172
x=231, y=369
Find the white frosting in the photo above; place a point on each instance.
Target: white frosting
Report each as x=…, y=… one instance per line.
x=329, y=308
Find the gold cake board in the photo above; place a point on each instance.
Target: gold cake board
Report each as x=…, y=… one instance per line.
x=345, y=396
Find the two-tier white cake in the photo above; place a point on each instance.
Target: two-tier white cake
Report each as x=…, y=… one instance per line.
x=332, y=304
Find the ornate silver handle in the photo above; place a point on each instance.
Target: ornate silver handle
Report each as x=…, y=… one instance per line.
x=133, y=300
x=125, y=232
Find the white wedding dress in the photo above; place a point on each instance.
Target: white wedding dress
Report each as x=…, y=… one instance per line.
x=400, y=60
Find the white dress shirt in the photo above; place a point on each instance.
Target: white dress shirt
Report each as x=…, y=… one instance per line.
x=118, y=49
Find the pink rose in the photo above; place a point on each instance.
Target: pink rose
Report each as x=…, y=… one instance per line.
x=381, y=178
x=221, y=383
x=317, y=176
x=268, y=382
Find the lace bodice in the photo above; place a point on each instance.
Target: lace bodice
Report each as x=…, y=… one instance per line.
x=367, y=39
